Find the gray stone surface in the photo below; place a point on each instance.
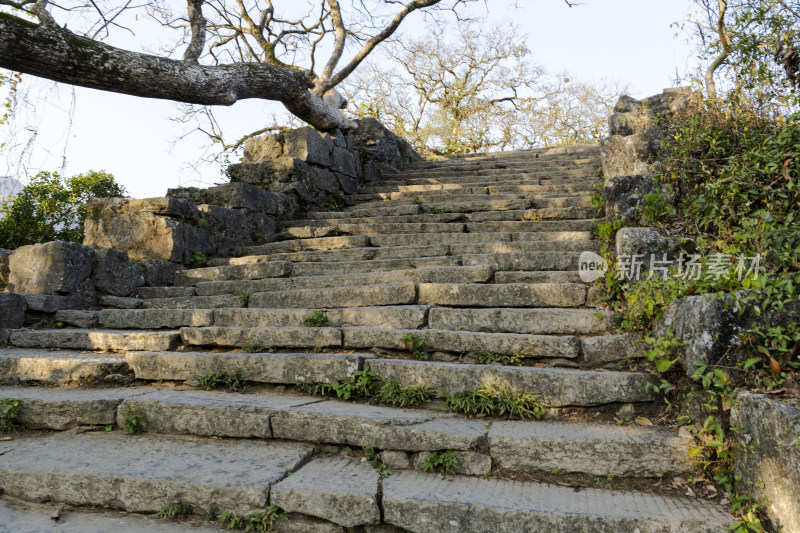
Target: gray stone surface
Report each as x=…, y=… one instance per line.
x=321, y=243
x=623, y=196
x=12, y=310
x=392, y=317
x=306, y=144
x=395, y=459
x=60, y=409
x=464, y=341
x=77, y=318
x=115, y=274
x=507, y=295
x=557, y=386
x=164, y=292
x=382, y=427
x=159, y=273
x=207, y=413
x=509, y=320
x=428, y=503
x=525, y=261
x=195, y=302
x=595, y=449
x=56, y=267
x=147, y=473
x=17, y=516
x=768, y=455
x=120, y=302
x=611, y=348
x=261, y=367
x=469, y=463
x=270, y=269
x=155, y=318
x=80, y=339
x=367, y=295
x=297, y=337
x=62, y=366
x=338, y=489
x=320, y=269
x=650, y=244
x=233, y=196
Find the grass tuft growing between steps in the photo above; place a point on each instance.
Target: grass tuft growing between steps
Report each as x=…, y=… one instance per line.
x=9, y=411
x=444, y=462
x=494, y=401
x=372, y=457
x=394, y=393
x=254, y=522
x=498, y=358
x=177, y=510
x=223, y=380
x=317, y=320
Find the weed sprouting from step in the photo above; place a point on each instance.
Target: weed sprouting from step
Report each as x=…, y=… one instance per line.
x=336, y=203
x=433, y=210
x=317, y=320
x=198, y=258
x=179, y=509
x=134, y=421
x=9, y=411
x=418, y=201
x=244, y=297
x=377, y=464
x=363, y=385
x=251, y=348
x=394, y=393
x=494, y=401
x=416, y=345
x=223, y=380
x=254, y=522
x=499, y=358
x=444, y=462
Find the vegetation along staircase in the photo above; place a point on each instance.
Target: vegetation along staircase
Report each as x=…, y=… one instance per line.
x=451, y=283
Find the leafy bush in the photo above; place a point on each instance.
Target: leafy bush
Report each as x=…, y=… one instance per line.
x=52, y=208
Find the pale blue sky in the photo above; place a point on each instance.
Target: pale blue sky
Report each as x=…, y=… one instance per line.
x=627, y=40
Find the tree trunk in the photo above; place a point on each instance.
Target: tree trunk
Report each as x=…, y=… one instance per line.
x=60, y=55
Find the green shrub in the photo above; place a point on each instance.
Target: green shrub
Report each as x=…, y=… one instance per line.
x=416, y=345
x=53, y=208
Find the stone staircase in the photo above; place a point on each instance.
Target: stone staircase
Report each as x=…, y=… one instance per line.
x=466, y=260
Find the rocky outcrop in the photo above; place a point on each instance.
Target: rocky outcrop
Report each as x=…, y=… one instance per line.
x=768, y=455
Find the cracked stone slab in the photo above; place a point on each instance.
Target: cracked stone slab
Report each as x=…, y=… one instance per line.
x=60, y=409
x=321, y=269
x=429, y=503
x=265, y=269
x=504, y=295
x=62, y=366
x=357, y=296
x=557, y=386
x=195, y=302
x=262, y=337
x=394, y=317
x=383, y=427
x=208, y=413
x=97, y=339
x=285, y=368
x=612, y=348
x=464, y=341
x=338, y=489
x=147, y=473
x=156, y=318
x=597, y=449
x=515, y=320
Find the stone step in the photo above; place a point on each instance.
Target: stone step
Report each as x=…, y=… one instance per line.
x=593, y=448
x=542, y=276
x=487, y=203
x=555, y=213
x=428, y=503
x=535, y=165
x=263, y=338
x=420, y=239
x=60, y=366
x=368, y=228
x=558, y=387
x=196, y=302
x=493, y=186
x=375, y=265
x=361, y=201
x=365, y=254
x=505, y=162
x=155, y=318
x=533, y=245
x=391, y=317
x=529, y=226
x=97, y=339
x=250, y=270
x=504, y=295
x=147, y=293
x=489, y=176
x=148, y=473
x=525, y=261
x=299, y=245
x=457, y=274
x=515, y=320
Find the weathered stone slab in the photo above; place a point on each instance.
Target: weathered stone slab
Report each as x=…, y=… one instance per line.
x=557, y=386
x=469, y=463
x=284, y=368
x=56, y=267
x=12, y=310
x=207, y=413
x=255, y=270
x=596, y=449
x=115, y=274
x=768, y=454
x=462, y=342
x=120, y=302
x=377, y=265
x=322, y=243
x=542, y=276
x=60, y=409
x=420, y=239
x=155, y=318
x=392, y=317
x=148, y=473
x=365, y=254
x=262, y=337
x=612, y=348
x=477, y=226
x=306, y=144
x=534, y=321
x=232, y=196
x=525, y=260
x=367, y=295
x=77, y=318
x=505, y=295
x=428, y=503
x=164, y=292
x=159, y=273
x=382, y=427
x=81, y=339
x=525, y=246
x=195, y=302
x=339, y=489
x=62, y=366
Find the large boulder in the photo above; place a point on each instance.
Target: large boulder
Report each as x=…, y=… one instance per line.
x=630, y=154
x=12, y=310
x=307, y=145
x=624, y=194
x=56, y=267
x=768, y=455
x=115, y=274
x=233, y=196
x=159, y=273
x=152, y=228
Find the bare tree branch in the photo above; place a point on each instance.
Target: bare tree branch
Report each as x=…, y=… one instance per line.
x=198, y=27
